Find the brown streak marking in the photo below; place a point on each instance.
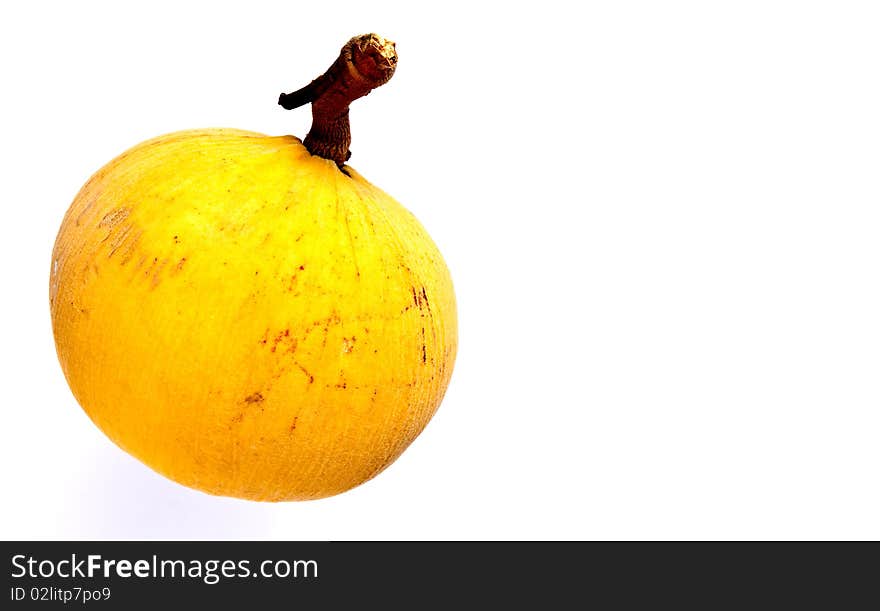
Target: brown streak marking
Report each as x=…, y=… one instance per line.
x=305, y=371
x=152, y=265
x=118, y=241
x=157, y=274
x=280, y=338
x=130, y=246
x=430, y=315
x=87, y=207
x=424, y=348
x=114, y=217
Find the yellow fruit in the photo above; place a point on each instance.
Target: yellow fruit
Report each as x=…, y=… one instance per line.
x=247, y=319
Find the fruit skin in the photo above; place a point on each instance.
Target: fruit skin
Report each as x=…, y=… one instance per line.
x=248, y=320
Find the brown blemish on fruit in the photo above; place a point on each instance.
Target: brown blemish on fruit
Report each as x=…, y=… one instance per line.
x=305, y=372
x=348, y=344
x=97, y=192
x=257, y=397
x=149, y=270
x=282, y=337
x=118, y=239
x=333, y=319
x=294, y=279
x=424, y=348
x=130, y=244
x=293, y=424
x=157, y=277
x=419, y=300
x=114, y=217
x=180, y=264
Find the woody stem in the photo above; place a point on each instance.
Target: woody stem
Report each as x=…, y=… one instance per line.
x=364, y=63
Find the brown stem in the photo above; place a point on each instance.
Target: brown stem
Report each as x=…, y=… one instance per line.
x=364, y=63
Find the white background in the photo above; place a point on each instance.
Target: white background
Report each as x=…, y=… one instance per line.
x=662, y=219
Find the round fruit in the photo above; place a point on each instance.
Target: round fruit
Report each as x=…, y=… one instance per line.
x=250, y=319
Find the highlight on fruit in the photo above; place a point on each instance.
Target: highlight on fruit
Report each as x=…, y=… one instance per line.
x=248, y=315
